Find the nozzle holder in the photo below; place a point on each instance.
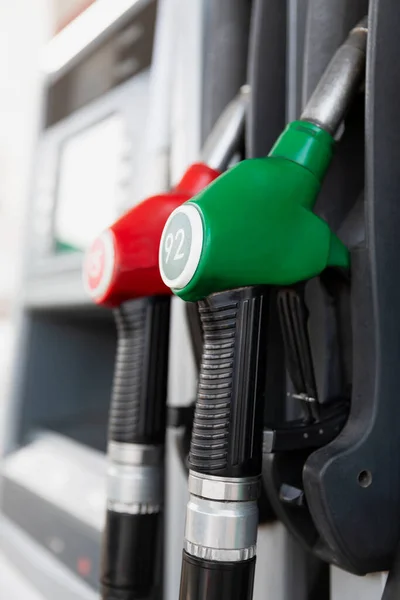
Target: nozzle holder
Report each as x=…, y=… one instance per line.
x=348, y=491
x=340, y=82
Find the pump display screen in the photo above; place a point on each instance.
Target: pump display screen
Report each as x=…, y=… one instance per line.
x=89, y=188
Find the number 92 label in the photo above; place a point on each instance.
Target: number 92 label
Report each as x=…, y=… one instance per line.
x=180, y=247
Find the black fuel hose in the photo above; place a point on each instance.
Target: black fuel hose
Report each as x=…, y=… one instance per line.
x=131, y=560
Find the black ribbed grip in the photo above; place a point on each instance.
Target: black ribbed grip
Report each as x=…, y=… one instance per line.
x=131, y=560
x=228, y=421
x=212, y=580
x=138, y=405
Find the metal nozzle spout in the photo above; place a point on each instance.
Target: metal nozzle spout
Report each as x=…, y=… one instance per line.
x=340, y=82
x=225, y=136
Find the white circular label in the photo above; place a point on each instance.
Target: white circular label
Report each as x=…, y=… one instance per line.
x=180, y=247
x=98, y=266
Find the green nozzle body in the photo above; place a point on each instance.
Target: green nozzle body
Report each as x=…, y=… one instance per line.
x=254, y=224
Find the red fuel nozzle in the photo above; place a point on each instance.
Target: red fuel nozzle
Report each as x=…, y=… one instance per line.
x=121, y=271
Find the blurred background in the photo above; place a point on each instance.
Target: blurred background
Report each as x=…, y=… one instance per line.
x=25, y=27
x=32, y=23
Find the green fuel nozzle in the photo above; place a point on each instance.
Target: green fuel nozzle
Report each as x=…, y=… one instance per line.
x=254, y=224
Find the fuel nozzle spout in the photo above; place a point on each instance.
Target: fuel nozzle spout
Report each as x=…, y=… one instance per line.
x=340, y=82
x=227, y=133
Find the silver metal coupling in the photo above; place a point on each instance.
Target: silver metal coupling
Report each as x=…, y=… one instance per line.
x=135, y=478
x=340, y=82
x=222, y=517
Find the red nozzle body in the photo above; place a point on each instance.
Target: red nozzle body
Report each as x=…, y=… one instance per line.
x=122, y=263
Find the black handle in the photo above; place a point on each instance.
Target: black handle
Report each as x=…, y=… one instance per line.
x=211, y=580
x=131, y=557
x=138, y=405
x=228, y=421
